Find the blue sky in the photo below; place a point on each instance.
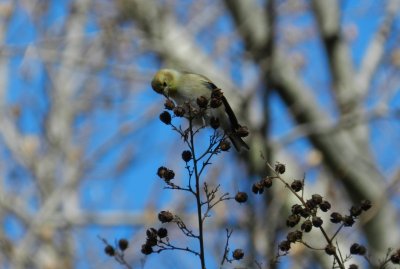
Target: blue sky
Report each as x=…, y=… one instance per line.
x=103, y=191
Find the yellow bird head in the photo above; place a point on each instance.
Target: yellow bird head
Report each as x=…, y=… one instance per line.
x=165, y=82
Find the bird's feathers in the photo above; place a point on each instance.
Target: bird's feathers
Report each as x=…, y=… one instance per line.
x=187, y=87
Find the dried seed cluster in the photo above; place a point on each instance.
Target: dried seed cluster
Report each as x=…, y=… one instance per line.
x=165, y=117
x=157, y=239
x=186, y=155
x=264, y=183
x=330, y=249
x=165, y=173
x=179, y=111
x=169, y=104
x=241, y=197
x=309, y=212
x=203, y=103
x=238, y=254
x=306, y=213
x=280, y=168
x=154, y=237
x=110, y=250
x=165, y=216
x=355, y=211
x=357, y=249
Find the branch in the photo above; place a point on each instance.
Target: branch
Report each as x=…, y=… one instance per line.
x=226, y=248
x=338, y=54
x=361, y=179
x=252, y=23
x=59, y=134
x=375, y=49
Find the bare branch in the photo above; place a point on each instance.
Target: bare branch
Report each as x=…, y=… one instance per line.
x=375, y=49
x=340, y=60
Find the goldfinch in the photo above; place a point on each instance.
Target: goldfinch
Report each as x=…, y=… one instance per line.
x=185, y=87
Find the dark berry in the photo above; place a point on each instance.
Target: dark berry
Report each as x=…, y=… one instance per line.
x=296, y=209
x=169, y=175
x=165, y=216
x=151, y=233
x=325, y=206
x=306, y=226
x=284, y=246
x=317, y=199
x=179, y=111
x=151, y=241
x=123, y=244
x=292, y=220
x=109, y=250
x=169, y=104
x=280, y=168
x=366, y=204
x=317, y=221
x=241, y=197
x=305, y=212
x=257, y=188
x=330, y=250
x=355, y=249
x=294, y=236
x=162, y=232
x=165, y=117
x=297, y=185
x=311, y=204
x=348, y=221
x=267, y=182
x=202, y=102
x=363, y=250
x=161, y=171
x=355, y=211
x=146, y=249
x=336, y=217
x=186, y=155
x=215, y=103
x=238, y=254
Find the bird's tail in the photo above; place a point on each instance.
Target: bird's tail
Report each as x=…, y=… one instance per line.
x=238, y=142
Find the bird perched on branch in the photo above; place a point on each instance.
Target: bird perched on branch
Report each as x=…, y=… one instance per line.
x=199, y=91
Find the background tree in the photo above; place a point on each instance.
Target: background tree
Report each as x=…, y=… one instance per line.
x=316, y=82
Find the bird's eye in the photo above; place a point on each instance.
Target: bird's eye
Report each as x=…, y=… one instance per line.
x=165, y=84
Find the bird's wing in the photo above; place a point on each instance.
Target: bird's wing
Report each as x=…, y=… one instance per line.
x=232, y=117
x=206, y=82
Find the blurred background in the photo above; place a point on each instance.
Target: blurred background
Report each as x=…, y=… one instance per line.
x=316, y=82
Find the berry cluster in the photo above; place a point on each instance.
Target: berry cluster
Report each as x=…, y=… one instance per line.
x=157, y=240
x=307, y=213
x=112, y=250
x=117, y=251
x=154, y=237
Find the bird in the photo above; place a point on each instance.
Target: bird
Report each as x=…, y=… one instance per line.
x=185, y=87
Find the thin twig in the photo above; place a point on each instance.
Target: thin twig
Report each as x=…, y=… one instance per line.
x=163, y=245
x=197, y=191
x=226, y=248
